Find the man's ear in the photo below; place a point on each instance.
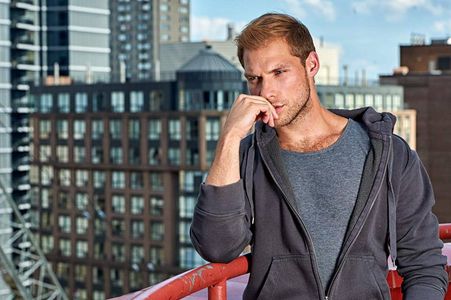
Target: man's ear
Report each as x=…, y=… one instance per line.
x=312, y=64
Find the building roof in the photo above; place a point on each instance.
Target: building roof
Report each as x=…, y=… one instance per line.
x=207, y=60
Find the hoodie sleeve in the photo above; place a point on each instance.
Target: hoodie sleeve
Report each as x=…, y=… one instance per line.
x=420, y=260
x=220, y=229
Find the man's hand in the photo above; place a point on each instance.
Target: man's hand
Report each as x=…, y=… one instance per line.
x=246, y=110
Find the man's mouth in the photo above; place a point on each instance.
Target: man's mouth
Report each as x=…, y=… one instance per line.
x=278, y=107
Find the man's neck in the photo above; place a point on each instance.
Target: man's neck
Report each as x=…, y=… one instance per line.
x=314, y=131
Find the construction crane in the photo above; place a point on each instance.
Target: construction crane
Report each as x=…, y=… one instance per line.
x=22, y=262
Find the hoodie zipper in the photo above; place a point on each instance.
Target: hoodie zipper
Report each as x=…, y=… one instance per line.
x=309, y=238
x=360, y=229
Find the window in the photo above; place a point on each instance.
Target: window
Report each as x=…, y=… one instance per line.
x=156, y=231
x=155, y=99
x=156, y=182
x=97, y=275
x=134, y=155
x=133, y=129
x=99, y=102
x=116, y=155
x=156, y=206
x=45, y=104
x=174, y=156
x=369, y=100
x=80, y=273
x=99, y=249
x=63, y=200
x=96, y=154
x=137, y=229
x=97, y=129
x=184, y=231
x=137, y=254
x=189, y=180
x=117, y=102
x=82, y=225
x=46, y=198
x=62, y=129
x=137, y=205
x=64, y=177
x=81, y=178
x=189, y=258
x=154, y=129
x=186, y=206
x=65, y=248
x=118, y=251
x=212, y=128
x=115, y=129
x=174, y=130
x=99, y=179
x=156, y=255
x=378, y=102
x=359, y=101
x=136, y=180
x=118, y=204
x=81, y=102
x=118, y=180
x=192, y=127
x=154, y=156
x=136, y=101
x=46, y=243
x=45, y=126
x=63, y=103
x=339, y=101
x=82, y=249
x=46, y=175
x=81, y=201
x=44, y=153
x=192, y=156
x=62, y=153
x=79, y=154
x=79, y=129
x=64, y=223
x=349, y=101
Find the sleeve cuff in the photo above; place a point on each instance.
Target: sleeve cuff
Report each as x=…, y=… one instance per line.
x=421, y=292
x=222, y=200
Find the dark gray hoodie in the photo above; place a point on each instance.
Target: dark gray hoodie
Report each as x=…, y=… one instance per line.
x=392, y=215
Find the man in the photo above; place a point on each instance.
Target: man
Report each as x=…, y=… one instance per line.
x=322, y=196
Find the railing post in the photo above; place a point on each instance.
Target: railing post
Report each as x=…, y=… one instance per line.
x=218, y=291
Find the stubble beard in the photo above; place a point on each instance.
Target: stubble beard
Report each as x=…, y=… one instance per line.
x=301, y=108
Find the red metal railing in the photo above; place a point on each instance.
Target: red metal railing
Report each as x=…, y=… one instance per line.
x=214, y=276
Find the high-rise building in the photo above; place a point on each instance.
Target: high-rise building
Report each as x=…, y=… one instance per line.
x=425, y=74
x=116, y=171
x=76, y=40
x=137, y=29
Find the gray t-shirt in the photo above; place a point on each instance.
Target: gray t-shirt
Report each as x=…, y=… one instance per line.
x=326, y=184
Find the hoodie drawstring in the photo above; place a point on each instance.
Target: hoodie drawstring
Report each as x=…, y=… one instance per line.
x=391, y=206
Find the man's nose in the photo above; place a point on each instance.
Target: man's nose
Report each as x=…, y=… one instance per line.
x=267, y=89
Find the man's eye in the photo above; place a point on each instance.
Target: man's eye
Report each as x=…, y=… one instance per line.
x=251, y=79
x=278, y=72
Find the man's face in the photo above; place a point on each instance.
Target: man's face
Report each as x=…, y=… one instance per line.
x=274, y=73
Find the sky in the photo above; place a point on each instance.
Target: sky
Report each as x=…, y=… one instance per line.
x=368, y=32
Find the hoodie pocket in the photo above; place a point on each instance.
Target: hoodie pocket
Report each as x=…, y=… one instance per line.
x=361, y=278
x=289, y=277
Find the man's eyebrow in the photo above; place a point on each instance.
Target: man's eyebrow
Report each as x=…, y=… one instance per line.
x=249, y=75
x=278, y=66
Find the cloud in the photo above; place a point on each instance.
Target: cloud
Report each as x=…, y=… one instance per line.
x=395, y=9
x=443, y=27
x=299, y=8
x=205, y=28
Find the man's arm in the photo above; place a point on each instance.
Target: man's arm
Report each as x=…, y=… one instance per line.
x=221, y=227
x=420, y=260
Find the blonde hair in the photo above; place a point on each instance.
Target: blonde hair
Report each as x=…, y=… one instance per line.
x=273, y=26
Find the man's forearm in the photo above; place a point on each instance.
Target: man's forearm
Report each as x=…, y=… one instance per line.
x=225, y=168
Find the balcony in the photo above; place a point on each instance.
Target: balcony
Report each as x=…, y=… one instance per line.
x=227, y=281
